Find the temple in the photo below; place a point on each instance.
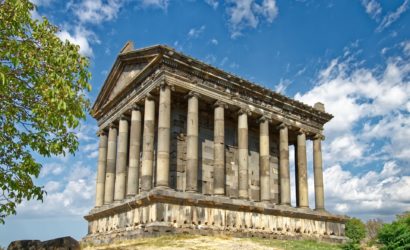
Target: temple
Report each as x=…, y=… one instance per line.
x=188, y=148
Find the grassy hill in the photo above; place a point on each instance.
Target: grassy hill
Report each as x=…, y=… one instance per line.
x=213, y=242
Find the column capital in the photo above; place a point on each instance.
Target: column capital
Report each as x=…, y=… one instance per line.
x=164, y=83
x=244, y=111
x=219, y=103
x=113, y=125
x=318, y=137
x=301, y=131
x=135, y=106
x=150, y=97
x=124, y=117
x=101, y=132
x=264, y=118
x=192, y=94
x=282, y=125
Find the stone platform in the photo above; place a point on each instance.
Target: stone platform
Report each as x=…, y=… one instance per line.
x=165, y=211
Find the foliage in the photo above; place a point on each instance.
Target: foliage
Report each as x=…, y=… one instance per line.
x=350, y=245
x=42, y=98
x=397, y=234
x=355, y=230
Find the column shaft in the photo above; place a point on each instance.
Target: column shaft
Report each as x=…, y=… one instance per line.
x=102, y=164
x=148, y=145
x=243, y=155
x=192, y=144
x=318, y=174
x=302, y=171
x=264, y=159
x=111, y=160
x=164, y=136
x=219, y=150
x=284, y=166
x=122, y=155
x=134, y=153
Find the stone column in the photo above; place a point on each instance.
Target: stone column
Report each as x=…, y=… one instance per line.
x=134, y=153
x=219, y=148
x=264, y=159
x=164, y=136
x=302, y=170
x=102, y=164
x=148, y=144
x=318, y=173
x=284, y=171
x=243, y=154
x=111, y=160
x=122, y=155
x=192, y=144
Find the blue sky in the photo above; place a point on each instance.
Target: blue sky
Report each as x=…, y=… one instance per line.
x=354, y=56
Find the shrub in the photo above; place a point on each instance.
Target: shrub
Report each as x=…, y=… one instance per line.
x=397, y=234
x=355, y=230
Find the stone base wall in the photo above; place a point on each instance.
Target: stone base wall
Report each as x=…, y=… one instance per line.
x=165, y=211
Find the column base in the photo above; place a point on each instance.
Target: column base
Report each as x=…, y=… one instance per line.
x=286, y=204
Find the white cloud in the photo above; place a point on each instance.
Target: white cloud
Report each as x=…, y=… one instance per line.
x=52, y=186
x=213, y=3
x=371, y=127
x=210, y=59
x=162, y=4
x=392, y=16
x=51, y=169
x=42, y=2
x=81, y=37
x=370, y=195
x=71, y=196
x=373, y=8
x=282, y=86
x=89, y=147
x=406, y=47
x=196, y=32
x=215, y=42
x=247, y=13
x=96, y=11
x=224, y=61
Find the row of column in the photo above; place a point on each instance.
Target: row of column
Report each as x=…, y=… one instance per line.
x=112, y=176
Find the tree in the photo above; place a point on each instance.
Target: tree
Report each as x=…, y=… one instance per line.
x=355, y=230
x=43, y=82
x=397, y=234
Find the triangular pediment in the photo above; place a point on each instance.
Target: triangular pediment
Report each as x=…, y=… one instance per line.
x=124, y=75
x=129, y=72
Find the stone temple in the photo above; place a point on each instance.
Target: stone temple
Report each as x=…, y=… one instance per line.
x=188, y=148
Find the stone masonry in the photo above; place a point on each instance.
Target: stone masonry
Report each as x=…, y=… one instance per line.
x=187, y=148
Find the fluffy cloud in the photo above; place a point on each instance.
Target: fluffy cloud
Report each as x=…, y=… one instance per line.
x=393, y=16
x=42, y=2
x=96, y=11
x=51, y=169
x=373, y=8
x=371, y=195
x=81, y=37
x=196, y=32
x=371, y=128
x=213, y=3
x=70, y=196
x=247, y=13
x=162, y=4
